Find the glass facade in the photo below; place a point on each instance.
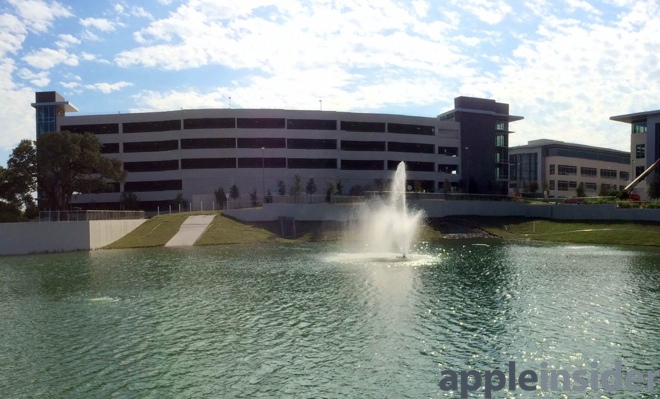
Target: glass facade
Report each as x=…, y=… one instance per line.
x=639, y=127
x=46, y=119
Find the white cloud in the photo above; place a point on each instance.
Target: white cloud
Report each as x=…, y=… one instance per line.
x=47, y=58
x=39, y=79
x=490, y=12
x=107, y=88
x=101, y=24
x=17, y=110
x=66, y=40
x=12, y=34
x=140, y=12
x=38, y=14
x=70, y=85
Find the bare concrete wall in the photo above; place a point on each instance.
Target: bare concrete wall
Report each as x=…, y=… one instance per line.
x=440, y=209
x=26, y=238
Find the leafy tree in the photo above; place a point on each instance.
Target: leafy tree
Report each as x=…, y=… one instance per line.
x=220, y=197
x=179, y=200
x=281, y=188
x=296, y=187
x=10, y=213
x=379, y=184
x=603, y=191
x=446, y=186
x=579, y=192
x=269, y=197
x=129, y=201
x=330, y=189
x=356, y=190
x=533, y=187
x=253, y=198
x=19, y=180
x=71, y=163
x=654, y=186
x=233, y=192
x=340, y=187
x=417, y=186
x=310, y=188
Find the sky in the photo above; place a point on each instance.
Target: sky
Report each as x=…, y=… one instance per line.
x=566, y=66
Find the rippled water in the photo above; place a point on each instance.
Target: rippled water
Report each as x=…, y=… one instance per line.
x=307, y=321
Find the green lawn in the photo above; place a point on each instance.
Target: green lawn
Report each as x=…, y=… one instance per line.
x=155, y=232
x=585, y=232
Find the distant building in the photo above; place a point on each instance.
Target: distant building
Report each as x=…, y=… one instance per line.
x=563, y=166
x=196, y=151
x=644, y=146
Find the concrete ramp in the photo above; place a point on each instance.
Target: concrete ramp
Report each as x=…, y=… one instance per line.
x=190, y=230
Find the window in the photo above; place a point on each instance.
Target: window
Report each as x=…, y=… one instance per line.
x=155, y=126
x=348, y=145
x=585, y=171
x=349, y=164
x=567, y=170
x=639, y=170
x=590, y=186
x=413, y=166
x=158, y=185
x=312, y=163
x=209, y=123
x=151, y=166
x=639, y=127
x=448, y=151
x=562, y=185
x=262, y=162
x=311, y=144
x=378, y=127
x=261, y=142
x=606, y=187
x=552, y=169
x=624, y=175
x=103, y=128
x=410, y=147
x=110, y=148
x=208, y=163
x=551, y=185
x=451, y=169
x=640, y=151
x=572, y=184
x=192, y=144
x=502, y=140
x=410, y=129
x=151, y=146
x=501, y=126
x=311, y=124
x=260, y=123
x=608, y=174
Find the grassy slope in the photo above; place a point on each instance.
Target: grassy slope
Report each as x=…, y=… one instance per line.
x=614, y=233
x=155, y=232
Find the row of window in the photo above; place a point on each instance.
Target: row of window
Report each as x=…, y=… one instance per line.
x=290, y=163
x=568, y=170
x=251, y=123
x=567, y=185
x=264, y=142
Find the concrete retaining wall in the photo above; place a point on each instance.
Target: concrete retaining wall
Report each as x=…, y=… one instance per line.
x=440, y=209
x=27, y=238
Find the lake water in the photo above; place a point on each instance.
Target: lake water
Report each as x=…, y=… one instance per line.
x=308, y=321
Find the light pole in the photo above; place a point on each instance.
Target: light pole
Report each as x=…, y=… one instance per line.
x=263, y=175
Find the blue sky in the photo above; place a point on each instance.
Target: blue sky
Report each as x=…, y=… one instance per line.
x=566, y=66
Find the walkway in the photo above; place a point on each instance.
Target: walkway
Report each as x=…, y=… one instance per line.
x=190, y=230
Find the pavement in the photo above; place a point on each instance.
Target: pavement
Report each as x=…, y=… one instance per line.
x=190, y=230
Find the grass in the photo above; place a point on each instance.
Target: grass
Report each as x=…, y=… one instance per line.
x=155, y=232
x=591, y=232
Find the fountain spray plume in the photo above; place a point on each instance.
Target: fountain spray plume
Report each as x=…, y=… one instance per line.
x=387, y=225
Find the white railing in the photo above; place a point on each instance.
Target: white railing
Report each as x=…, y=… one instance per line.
x=83, y=216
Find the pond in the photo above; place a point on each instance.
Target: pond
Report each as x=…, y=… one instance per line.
x=307, y=320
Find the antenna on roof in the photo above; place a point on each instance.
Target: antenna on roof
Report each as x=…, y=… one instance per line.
x=229, y=101
x=321, y=105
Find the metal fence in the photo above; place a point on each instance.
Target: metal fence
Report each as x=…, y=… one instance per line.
x=83, y=216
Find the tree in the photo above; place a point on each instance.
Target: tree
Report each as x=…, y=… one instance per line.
x=220, y=197
x=340, y=187
x=269, y=197
x=19, y=180
x=380, y=185
x=281, y=188
x=330, y=189
x=253, y=198
x=71, y=163
x=296, y=187
x=604, y=189
x=129, y=201
x=179, y=202
x=579, y=192
x=310, y=188
x=233, y=192
x=446, y=186
x=533, y=187
x=654, y=186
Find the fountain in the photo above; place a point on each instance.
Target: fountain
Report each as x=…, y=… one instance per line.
x=387, y=226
